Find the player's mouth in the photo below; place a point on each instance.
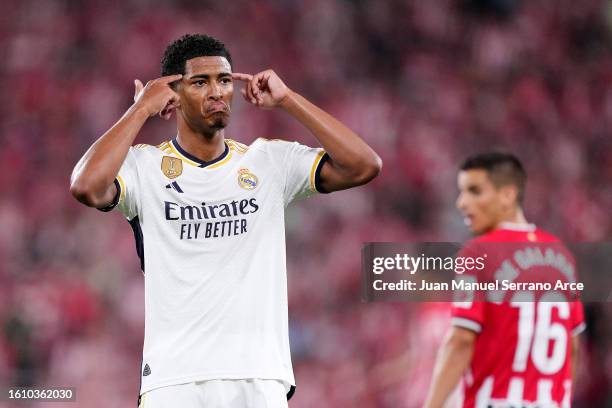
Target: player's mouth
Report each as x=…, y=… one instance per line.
x=216, y=107
x=468, y=220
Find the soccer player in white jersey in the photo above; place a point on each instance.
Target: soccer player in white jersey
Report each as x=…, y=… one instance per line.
x=208, y=217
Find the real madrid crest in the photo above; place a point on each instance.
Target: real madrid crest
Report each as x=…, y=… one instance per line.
x=171, y=167
x=246, y=179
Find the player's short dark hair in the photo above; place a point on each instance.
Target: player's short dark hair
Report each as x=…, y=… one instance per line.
x=503, y=169
x=191, y=46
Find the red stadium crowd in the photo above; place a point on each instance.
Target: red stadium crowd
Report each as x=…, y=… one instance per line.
x=424, y=82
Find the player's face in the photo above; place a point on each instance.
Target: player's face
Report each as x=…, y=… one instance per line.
x=480, y=201
x=206, y=93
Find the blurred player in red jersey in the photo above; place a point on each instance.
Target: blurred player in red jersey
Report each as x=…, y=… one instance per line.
x=510, y=353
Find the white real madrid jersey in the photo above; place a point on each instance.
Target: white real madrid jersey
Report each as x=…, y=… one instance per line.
x=211, y=239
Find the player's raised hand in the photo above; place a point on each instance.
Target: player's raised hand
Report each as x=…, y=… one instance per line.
x=265, y=89
x=157, y=97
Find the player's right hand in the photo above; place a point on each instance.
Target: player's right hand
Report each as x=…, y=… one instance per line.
x=157, y=97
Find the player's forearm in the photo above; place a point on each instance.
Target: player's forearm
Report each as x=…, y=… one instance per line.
x=453, y=359
x=94, y=174
x=350, y=153
x=574, y=356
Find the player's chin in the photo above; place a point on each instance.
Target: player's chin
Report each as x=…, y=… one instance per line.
x=476, y=228
x=480, y=229
x=219, y=121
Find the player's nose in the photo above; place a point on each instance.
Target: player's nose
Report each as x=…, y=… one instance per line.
x=460, y=202
x=215, y=92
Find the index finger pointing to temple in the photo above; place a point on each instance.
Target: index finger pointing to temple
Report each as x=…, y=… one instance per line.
x=242, y=77
x=170, y=78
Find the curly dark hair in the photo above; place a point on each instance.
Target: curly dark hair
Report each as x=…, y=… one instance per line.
x=191, y=46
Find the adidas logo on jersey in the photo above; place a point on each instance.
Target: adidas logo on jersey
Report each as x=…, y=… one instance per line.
x=174, y=185
x=146, y=371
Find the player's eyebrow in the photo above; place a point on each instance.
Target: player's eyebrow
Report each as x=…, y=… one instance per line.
x=207, y=76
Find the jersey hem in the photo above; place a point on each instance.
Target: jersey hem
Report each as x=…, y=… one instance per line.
x=467, y=324
x=315, y=176
x=118, y=196
x=579, y=329
x=193, y=378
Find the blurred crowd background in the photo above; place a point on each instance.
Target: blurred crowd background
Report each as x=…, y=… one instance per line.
x=425, y=82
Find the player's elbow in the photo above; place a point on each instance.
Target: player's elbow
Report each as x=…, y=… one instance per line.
x=369, y=169
x=81, y=193
x=84, y=193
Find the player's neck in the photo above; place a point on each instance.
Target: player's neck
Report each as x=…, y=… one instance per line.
x=204, y=147
x=515, y=218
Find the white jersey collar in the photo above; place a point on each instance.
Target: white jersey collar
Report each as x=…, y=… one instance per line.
x=516, y=226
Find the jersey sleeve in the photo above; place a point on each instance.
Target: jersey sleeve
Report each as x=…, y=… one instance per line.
x=468, y=310
x=299, y=167
x=126, y=182
x=577, y=317
x=468, y=313
x=576, y=307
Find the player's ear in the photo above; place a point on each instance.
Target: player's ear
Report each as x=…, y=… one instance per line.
x=509, y=195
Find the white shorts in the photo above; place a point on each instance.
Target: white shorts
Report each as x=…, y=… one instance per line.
x=252, y=393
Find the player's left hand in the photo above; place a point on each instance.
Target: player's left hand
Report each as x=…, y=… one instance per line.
x=265, y=89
